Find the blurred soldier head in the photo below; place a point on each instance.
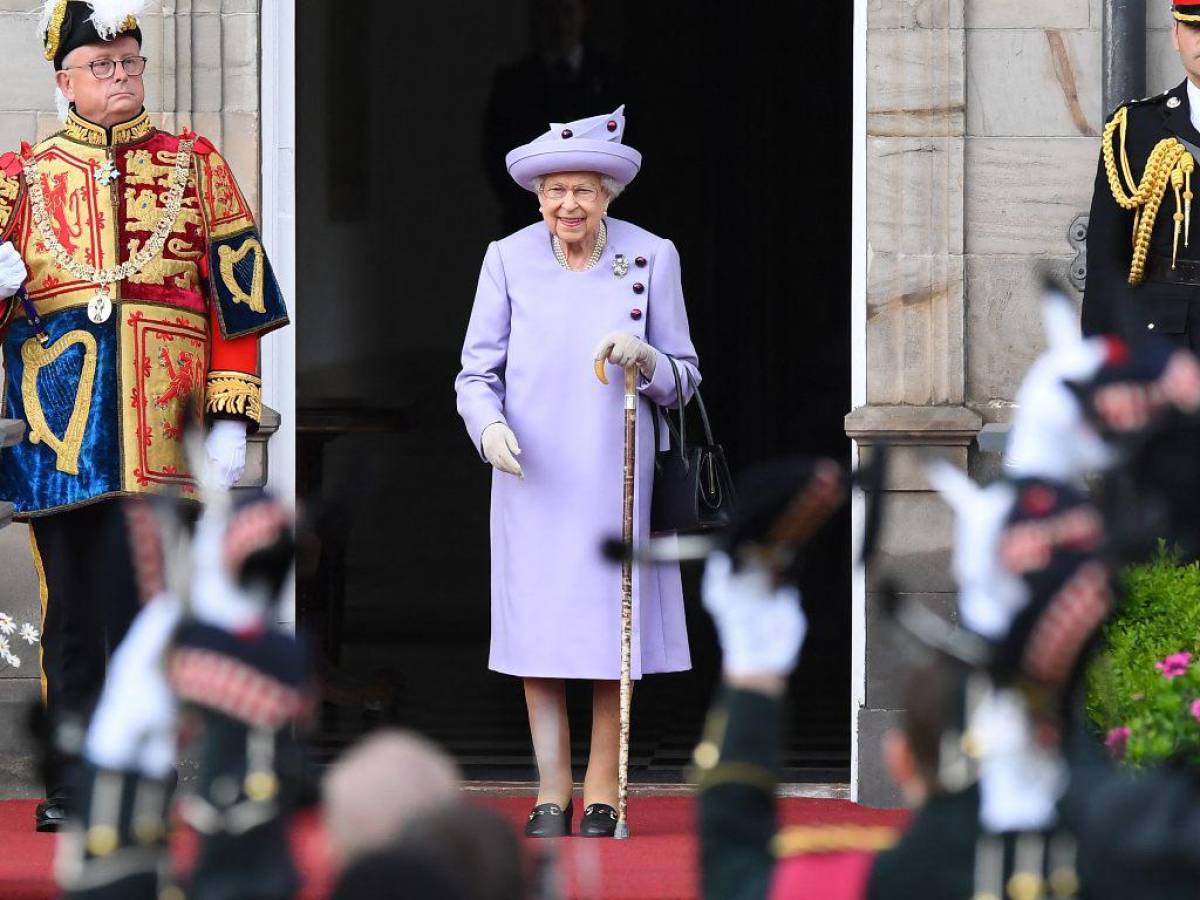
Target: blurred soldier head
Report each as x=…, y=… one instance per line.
x=381, y=785
x=912, y=753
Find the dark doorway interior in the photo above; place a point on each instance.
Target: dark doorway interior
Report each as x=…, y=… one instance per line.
x=743, y=114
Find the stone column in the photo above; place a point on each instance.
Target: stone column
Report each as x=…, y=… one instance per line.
x=916, y=375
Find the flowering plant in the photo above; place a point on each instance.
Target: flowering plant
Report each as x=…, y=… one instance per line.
x=1144, y=685
x=9, y=635
x=1167, y=723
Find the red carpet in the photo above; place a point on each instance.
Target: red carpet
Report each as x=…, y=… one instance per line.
x=657, y=863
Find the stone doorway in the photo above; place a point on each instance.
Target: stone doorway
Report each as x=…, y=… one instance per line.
x=744, y=118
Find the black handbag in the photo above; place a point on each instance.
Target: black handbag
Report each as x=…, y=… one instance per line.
x=692, y=488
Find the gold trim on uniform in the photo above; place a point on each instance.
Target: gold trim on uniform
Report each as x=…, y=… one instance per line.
x=79, y=129
x=1170, y=164
x=746, y=774
x=36, y=357
x=1184, y=17
x=230, y=258
x=53, y=34
x=234, y=393
x=833, y=839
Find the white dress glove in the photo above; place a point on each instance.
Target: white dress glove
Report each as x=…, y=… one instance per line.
x=226, y=446
x=12, y=270
x=627, y=349
x=501, y=449
x=761, y=627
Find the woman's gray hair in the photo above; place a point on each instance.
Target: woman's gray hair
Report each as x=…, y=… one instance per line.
x=611, y=186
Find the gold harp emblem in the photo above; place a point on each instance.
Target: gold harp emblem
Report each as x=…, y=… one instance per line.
x=230, y=258
x=36, y=357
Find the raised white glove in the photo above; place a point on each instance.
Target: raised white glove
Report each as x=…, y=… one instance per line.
x=12, y=270
x=761, y=627
x=501, y=449
x=625, y=350
x=226, y=447
x=138, y=734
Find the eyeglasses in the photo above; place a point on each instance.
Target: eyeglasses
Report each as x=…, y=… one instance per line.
x=104, y=69
x=582, y=194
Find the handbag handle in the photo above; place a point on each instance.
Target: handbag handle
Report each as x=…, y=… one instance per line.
x=681, y=434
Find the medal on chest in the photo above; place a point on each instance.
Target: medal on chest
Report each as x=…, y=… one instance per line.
x=100, y=306
x=107, y=174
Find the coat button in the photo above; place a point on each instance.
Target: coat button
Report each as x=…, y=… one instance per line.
x=639, y=288
x=1150, y=326
x=612, y=125
x=635, y=314
x=567, y=132
x=640, y=262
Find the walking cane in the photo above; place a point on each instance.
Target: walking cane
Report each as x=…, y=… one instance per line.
x=630, y=472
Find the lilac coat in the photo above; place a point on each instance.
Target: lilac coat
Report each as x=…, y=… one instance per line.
x=527, y=361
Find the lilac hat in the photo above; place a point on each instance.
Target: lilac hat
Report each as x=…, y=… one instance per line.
x=587, y=145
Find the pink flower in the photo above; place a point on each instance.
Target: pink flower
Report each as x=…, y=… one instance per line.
x=1196, y=710
x=1174, y=665
x=1116, y=741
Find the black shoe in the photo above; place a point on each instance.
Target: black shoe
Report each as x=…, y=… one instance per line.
x=51, y=814
x=549, y=820
x=599, y=820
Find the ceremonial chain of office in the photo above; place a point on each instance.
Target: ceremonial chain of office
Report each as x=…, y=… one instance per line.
x=153, y=247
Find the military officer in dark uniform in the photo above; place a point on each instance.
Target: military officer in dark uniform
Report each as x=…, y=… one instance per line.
x=1143, y=269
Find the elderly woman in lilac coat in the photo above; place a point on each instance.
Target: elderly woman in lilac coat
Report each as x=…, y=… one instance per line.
x=573, y=288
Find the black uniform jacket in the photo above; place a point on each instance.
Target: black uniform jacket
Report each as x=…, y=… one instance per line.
x=1157, y=306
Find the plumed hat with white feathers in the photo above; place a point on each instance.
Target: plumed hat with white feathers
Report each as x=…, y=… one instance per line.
x=68, y=24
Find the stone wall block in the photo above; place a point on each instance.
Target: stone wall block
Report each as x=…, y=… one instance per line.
x=207, y=94
x=914, y=329
x=875, y=785
x=914, y=192
x=28, y=78
x=19, y=596
x=915, y=544
x=239, y=42
x=915, y=13
x=907, y=465
x=1024, y=193
x=241, y=147
x=1031, y=14
x=895, y=652
x=1163, y=67
x=1034, y=82
x=1004, y=326
x=16, y=127
x=915, y=83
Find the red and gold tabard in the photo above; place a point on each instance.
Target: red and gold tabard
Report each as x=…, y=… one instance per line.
x=104, y=389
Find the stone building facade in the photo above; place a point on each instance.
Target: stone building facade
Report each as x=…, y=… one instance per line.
x=980, y=126
x=203, y=73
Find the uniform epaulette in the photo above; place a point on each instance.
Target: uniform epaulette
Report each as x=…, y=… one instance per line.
x=1153, y=98
x=803, y=840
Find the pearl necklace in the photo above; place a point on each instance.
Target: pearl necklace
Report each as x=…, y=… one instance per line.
x=601, y=240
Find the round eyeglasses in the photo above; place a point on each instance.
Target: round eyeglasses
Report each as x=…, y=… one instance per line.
x=104, y=69
x=582, y=194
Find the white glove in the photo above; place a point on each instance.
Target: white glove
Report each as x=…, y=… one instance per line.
x=138, y=734
x=226, y=446
x=12, y=270
x=627, y=349
x=761, y=627
x=501, y=449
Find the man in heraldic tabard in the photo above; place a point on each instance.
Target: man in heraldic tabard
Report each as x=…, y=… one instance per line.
x=133, y=288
